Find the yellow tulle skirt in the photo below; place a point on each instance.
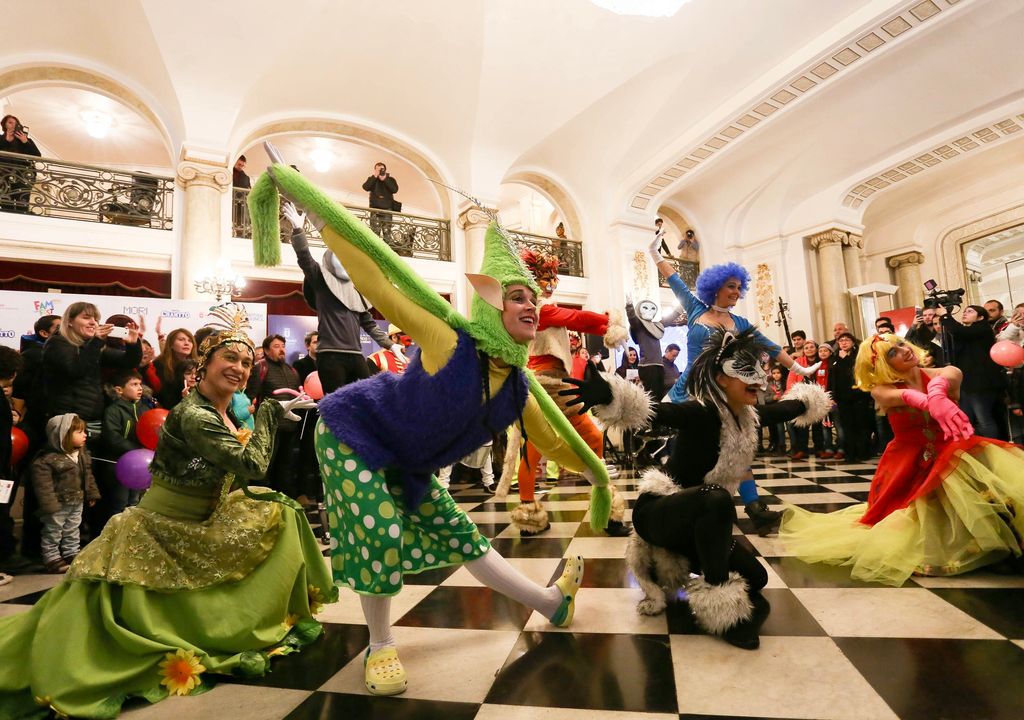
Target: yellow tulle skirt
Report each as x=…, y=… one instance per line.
x=975, y=517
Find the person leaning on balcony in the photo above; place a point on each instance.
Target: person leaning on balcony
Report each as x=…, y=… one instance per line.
x=18, y=175
x=382, y=188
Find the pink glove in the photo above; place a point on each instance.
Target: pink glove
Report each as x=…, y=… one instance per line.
x=952, y=420
x=915, y=399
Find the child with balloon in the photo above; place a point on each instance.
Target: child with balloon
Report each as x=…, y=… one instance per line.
x=120, y=420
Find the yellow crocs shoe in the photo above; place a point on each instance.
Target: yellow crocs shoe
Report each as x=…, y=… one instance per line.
x=568, y=583
x=384, y=672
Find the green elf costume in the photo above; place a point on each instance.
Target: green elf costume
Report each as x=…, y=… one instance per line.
x=379, y=441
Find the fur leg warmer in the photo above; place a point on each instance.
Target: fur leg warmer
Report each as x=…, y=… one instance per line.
x=531, y=517
x=719, y=607
x=618, y=505
x=659, y=573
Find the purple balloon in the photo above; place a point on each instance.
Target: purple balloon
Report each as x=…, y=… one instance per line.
x=132, y=469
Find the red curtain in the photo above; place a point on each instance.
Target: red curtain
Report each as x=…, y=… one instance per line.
x=83, y=280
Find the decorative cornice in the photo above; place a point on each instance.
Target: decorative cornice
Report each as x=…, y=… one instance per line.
x=832, y=236
x=190, y=173
x=911, y=258
x=955, y=146
x=824, y=69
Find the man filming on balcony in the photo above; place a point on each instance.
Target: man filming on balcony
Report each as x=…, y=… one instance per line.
x=382, y=188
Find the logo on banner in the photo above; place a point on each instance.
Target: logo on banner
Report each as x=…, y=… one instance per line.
x=43, y=307
x=7, y=334
x=135, y=310
x=176, y=314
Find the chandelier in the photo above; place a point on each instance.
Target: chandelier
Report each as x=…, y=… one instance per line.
x=221, y=282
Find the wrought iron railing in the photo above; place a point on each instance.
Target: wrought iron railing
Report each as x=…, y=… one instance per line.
x=54, y=188
x=569, y=252
x=687, y=270
x=408, y=235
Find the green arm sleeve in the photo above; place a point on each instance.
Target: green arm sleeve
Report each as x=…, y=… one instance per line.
x=212, y=440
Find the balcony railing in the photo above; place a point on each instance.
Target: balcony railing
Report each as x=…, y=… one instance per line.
x=53, y=188
x=408, y=235
x=687, y=270
x=569, y=252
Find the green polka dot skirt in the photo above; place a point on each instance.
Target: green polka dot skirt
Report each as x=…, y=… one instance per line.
x=375, y=539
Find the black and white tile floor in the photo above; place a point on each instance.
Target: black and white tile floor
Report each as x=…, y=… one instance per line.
x=831, y=647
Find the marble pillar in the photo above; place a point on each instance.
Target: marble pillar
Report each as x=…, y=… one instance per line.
x=473, y=222
x=832, y=288
x=204, y=185
x=852, y=246
x=908, y=278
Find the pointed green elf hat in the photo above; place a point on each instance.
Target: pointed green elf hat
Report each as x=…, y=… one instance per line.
x=501, y=268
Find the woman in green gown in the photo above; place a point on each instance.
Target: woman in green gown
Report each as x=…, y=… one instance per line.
x=202, y=577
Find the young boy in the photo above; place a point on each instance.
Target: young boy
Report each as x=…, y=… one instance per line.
x=118, y=436
x=63, y=483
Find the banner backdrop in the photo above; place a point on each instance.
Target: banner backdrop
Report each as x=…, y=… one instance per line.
x=20, y=310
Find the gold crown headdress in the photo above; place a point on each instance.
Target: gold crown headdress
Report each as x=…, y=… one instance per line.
x=229, y=323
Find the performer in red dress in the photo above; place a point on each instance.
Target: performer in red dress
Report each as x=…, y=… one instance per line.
x=943, y=501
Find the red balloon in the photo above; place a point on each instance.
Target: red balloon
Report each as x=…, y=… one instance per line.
x=312, y=386
x=19, y=445
x=1007, y=353
x=148, y=429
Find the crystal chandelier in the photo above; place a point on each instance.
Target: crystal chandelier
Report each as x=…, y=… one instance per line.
x=222, y=281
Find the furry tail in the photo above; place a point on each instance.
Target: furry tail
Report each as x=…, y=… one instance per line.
x=265, y=211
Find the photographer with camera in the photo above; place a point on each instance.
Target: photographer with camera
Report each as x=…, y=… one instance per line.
x=17, y=175
x=968, y=343
x=382, y=188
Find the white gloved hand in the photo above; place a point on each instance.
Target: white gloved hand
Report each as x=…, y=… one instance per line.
x=301, y=401
x=399, y=350
x=293, y=216
x=652, y=250
x=805, y=371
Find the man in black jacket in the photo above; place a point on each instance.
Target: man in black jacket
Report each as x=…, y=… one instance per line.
x=270, y=374
x=981, y=393
x=382, y=188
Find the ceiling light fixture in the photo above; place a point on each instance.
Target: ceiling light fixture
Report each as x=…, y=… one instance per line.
x=97, y=124
x=322, y=159
x=643, y=8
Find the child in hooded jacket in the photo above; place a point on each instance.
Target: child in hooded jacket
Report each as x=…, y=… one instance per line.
x=63, y=482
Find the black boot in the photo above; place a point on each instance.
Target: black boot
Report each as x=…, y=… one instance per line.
x=616, y=529
x=765, y=521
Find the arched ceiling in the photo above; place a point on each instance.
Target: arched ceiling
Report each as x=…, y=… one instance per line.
x=606, y=102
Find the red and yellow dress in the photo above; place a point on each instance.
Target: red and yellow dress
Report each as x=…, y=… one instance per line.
x=936, y=507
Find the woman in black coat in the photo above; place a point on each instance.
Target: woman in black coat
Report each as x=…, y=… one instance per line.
x=73, y=359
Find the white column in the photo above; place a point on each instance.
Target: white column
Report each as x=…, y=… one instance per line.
x=831, y=277
x=203, y=185
x=908, y=278
x=473, y=222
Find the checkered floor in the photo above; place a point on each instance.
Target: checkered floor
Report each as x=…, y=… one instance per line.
x=830, y=648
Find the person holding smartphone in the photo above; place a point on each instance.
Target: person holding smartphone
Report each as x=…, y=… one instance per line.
x=18, y=175
x=382, y=188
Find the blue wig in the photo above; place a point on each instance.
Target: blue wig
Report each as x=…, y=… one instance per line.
x=711, y=281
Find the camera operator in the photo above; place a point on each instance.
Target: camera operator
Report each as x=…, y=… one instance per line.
x=981, y=393
x=17, y=175
x=382, y=188
x=921, y=332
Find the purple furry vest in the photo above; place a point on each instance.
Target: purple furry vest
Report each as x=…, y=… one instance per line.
x=416, y=422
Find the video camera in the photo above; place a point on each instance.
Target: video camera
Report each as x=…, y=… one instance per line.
x=949, y=299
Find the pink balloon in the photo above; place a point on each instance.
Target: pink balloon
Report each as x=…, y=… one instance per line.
x=1007, y=353
x=312, y=386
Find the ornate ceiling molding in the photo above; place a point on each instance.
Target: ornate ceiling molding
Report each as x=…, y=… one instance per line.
x=825, y=68
x=956, y=146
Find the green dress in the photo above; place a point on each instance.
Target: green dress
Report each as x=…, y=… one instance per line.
x=201, y=577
